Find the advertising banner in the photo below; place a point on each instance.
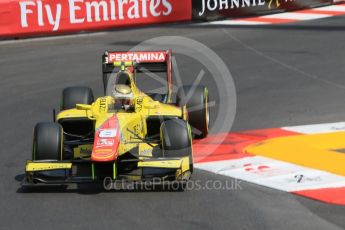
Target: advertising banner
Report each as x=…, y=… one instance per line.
x=215, y=9
x=33, y=17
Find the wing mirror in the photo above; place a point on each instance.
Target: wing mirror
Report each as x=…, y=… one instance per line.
x=152, y=105
x=83, y=107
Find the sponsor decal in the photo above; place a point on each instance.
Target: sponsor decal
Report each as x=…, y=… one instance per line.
x=86, y=151
x=338, y=128
x=105, y=150
x=215, y=5
x=301, y=178
x=82, y=151
x=83, y=11
x=107, y=140
x=139, y=104
x=103, y=105
x=264, y=170
x=277, y=2
x=46, y=16
x=31, y=167
x=146, y=153
x=104, y=142
x=107, y=133
x=138, y=128
x=150, y=56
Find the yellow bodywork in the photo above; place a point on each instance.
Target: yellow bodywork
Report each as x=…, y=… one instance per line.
x=44, y=166
x=175, y=164
x=133, y=130
x=143, y=106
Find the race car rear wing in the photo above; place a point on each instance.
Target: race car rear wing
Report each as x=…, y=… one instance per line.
x=152, y=61
x=146, y=61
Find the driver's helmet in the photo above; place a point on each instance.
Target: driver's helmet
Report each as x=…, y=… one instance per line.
x=123, y=95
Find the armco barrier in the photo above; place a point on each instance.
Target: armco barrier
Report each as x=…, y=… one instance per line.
x=23, y=18
x=20, y=18
x=216, y=9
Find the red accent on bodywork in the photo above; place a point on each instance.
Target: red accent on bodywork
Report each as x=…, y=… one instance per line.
x=139, y=56
x=107, y=140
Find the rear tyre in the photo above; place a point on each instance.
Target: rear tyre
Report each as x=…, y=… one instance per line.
x=106, y=78
x=196, y=100
x=76, y=95
x=176, y=140
x=47, y=142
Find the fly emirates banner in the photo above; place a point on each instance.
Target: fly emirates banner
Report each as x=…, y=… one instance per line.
x=32, y=17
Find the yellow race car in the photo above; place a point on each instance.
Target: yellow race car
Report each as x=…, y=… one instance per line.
x=125, y=135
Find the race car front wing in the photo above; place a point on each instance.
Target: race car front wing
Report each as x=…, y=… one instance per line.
x=86, y=171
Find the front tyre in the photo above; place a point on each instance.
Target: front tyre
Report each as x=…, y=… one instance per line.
x=176, y=140
x=76, y=95
x=196, y=99
x=47, y=142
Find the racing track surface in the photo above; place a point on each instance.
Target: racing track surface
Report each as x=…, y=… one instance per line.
x=284, y=75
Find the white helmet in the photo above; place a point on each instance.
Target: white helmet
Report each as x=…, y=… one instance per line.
x=123, y=95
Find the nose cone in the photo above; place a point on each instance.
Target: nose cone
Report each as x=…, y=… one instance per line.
x=107, y=140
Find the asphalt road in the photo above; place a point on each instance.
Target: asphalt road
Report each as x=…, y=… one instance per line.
x=284, y=75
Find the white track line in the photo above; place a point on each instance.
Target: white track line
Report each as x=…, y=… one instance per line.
x=296, y=16
x=278, y=174
x=238, y=22
x=333, y=8
x=51, y=38
x=317, y=128
x=299, y=15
